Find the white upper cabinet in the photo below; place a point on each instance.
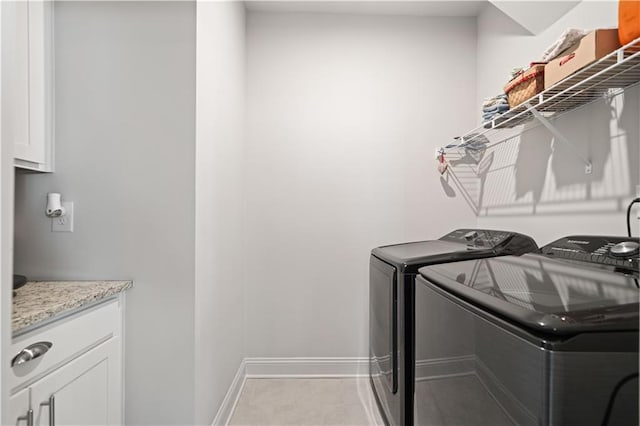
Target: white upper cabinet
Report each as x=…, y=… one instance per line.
x=33, y=88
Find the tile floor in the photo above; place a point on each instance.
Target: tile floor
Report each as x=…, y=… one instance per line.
x=461, y=400
x=308, y=402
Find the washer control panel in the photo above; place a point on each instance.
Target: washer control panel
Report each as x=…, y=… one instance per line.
x=503, y=241
x=620, y=252
x=477, y=237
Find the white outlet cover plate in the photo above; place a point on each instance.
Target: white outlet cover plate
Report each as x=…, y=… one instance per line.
x=63, y=223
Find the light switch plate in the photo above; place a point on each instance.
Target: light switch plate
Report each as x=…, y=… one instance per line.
x=63, y=223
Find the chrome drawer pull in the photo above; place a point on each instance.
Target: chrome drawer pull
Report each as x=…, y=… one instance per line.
x=28, y=417
x=32, y=351
x=52, y=409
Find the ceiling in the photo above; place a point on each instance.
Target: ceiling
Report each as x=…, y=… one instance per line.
x=389, y=7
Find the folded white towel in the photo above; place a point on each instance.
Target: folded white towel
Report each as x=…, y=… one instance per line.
x=496, y=100
x=568, y=38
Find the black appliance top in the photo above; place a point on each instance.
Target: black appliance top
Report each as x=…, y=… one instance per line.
x=461, y=244
x=575, y=284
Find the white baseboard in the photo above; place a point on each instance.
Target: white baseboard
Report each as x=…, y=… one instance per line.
x=223, y=416
x=307, y=367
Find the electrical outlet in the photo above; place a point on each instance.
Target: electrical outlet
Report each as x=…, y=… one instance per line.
x=63, y=223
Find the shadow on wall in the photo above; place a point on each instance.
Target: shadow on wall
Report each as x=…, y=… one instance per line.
x=531, y=164
x=628, y=124
x=534, y=174
x=591, y=139
x=468, y=171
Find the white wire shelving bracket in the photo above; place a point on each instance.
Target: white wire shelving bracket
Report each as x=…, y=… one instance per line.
x=617, y=71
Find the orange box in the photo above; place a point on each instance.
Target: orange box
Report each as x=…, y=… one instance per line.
x=589, y=49
x=628, y=21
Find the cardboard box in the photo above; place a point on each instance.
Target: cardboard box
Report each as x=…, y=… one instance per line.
x=589, y=49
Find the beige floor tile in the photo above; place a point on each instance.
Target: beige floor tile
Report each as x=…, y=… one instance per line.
x=274, y=392
x=300, y=415
x=306, y=402
x=350, y=415
x=248, y=414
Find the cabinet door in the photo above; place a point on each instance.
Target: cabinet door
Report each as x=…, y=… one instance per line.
x=20, y=95
x=33, y=83
x=85, y=391
x=18, y=408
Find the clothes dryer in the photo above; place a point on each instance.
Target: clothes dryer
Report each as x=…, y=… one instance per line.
x=546, y=338
x=391, y=306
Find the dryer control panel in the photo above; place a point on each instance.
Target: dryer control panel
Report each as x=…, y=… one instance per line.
x=621, y=252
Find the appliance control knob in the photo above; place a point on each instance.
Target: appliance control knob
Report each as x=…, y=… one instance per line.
x=624, y=249
x=471, y=235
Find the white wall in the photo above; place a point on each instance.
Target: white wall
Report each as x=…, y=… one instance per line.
x=344, y=114
x=539, y=188
x=220, y=95
x=125, y=114
x=532, y=15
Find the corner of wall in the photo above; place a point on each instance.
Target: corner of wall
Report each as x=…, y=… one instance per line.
x=220, y=115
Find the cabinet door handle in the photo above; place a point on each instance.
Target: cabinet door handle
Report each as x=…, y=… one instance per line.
x=32, y=351
x=28, y=417
x=52, y=409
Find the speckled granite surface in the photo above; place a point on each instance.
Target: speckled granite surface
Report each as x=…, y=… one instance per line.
x=38, y=301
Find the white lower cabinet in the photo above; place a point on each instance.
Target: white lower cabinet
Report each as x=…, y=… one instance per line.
x=84, y=389
x=79, y=393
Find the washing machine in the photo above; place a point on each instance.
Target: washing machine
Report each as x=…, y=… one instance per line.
x=392, y=273
x=546, y=338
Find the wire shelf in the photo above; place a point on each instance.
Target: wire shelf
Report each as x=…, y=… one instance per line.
x=611, y=74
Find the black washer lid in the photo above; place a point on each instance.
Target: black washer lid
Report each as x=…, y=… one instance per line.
x=411, y=256
x=554, y=296
x=460, y=244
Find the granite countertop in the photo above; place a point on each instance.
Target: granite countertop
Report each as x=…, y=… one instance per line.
x=40, y=301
